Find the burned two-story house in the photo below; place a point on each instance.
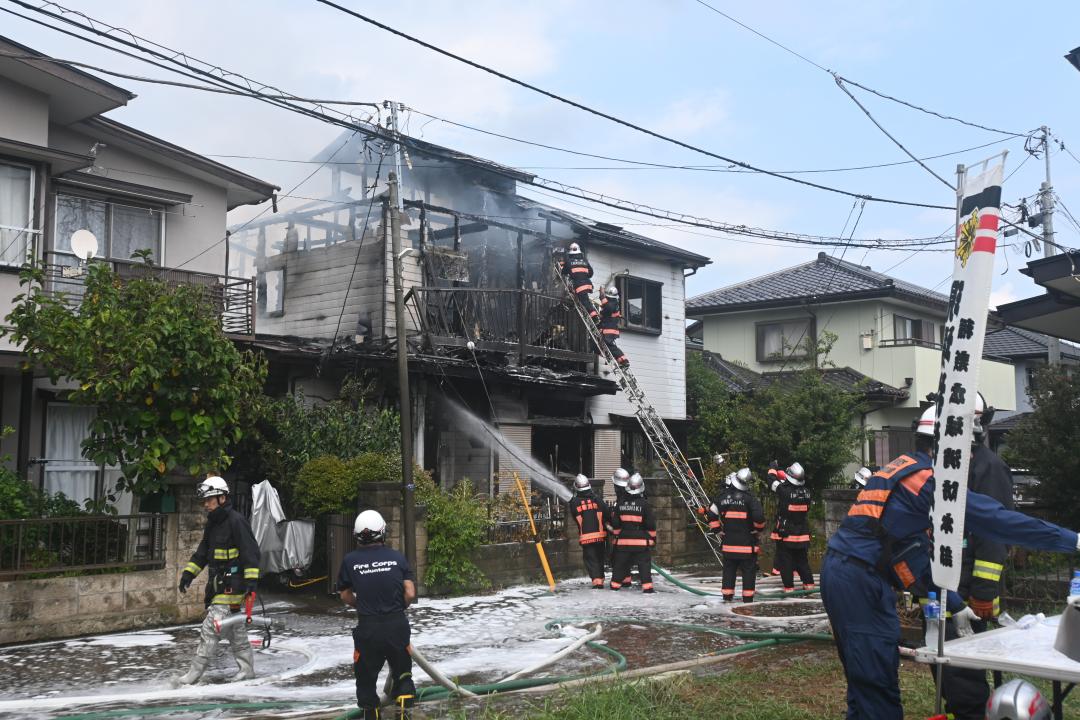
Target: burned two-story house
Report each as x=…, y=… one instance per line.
x=489, y=323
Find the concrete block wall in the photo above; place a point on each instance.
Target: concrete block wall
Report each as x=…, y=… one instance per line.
x=51, y=608
x=837, y=503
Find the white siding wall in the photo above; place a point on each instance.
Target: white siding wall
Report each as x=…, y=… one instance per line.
x=658, y=362
x=24, y=114
x=607, y=453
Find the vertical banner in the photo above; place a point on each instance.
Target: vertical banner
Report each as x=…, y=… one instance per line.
x=979, y=214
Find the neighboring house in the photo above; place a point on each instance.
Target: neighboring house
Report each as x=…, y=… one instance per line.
x=888, y=332
x=480, y=269
x=63, y=168
x=1057, y=311
x=1027, y=351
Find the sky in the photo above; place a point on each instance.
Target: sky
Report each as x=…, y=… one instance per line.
x=673, y=66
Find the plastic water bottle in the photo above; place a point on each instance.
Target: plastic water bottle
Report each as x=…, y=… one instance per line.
x=1074, y=586
x=932, y=613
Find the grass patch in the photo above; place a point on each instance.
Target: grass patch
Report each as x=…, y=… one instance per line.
x=790, y=683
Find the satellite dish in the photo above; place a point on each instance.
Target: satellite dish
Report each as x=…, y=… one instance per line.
x=84, y=244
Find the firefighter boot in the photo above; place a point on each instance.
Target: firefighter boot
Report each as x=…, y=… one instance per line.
x=198, y=667
x=245, y=661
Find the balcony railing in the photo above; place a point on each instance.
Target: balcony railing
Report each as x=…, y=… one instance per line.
x=93, y=542
x=910, y=342
x=232, y=297
x=526, y=322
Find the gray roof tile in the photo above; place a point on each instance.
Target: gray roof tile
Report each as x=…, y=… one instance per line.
x=1016, y=342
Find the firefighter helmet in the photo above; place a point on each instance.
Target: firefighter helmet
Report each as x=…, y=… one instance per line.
x=1017, y=700
x=211, y=487
x=619, y=477
x=582, y=484
x=741, y=479
x=635, y=485
x=795, y=474
x=369, y=527
x=862, y=477
x=718, y=459
x=925, y=425
x=612, y=291
x=575, y=249
x=982, y=416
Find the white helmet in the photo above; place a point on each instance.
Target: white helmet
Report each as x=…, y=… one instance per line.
x=612, y=292
x=729, y=478
x=718, y=459
x=211, y=487
x=582, y=484
x=795, y=474
x=369, y=527
x=741, y=479
x=635, y=485
x=575, y=249
x=926, y=422
x=619, y=477
x=1017, y=700
x=862, y=476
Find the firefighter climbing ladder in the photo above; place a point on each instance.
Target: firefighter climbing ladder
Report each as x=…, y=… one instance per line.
x=672, y=458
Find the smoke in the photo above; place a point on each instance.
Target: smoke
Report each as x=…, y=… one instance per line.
x=482, y=432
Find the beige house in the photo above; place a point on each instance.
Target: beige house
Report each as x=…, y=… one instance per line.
x=64, y=167
x=887, y=330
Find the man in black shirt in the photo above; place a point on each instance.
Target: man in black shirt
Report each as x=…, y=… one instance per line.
x=379, y=583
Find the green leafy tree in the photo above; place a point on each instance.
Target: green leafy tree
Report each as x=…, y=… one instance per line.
x=456, y=523
x=1046, y=441
x=169, y=388
x=712, y=405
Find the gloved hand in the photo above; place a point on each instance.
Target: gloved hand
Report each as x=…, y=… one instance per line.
x=250, y=586
x=185, y=581
x=962, y=620
x=983, y=608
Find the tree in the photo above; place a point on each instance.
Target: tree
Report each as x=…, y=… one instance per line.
x=1046, y=441
x=169, y=388
x=712, y=406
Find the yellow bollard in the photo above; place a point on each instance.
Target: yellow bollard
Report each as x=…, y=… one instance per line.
x=536, y=537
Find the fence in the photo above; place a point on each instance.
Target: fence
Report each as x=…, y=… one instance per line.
x=1036, y=579
x=550, y=519
x=96, y=542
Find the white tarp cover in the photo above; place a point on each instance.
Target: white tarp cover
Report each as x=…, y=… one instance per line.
x=284, y=545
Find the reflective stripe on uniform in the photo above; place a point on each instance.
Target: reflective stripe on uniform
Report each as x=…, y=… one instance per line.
x=798, y=508
x=227, y=599
x=226, y=553
x=251, y=573
x=987, y=570
x=592, y=537
x=796, y=538
x=734, y=515
x=632, y=541
x=630, y=518
x=738, y=549
x=192, y=568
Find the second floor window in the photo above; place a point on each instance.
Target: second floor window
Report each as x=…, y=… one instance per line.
x=642, y=303
x=121, y=228
x=16, y=213
x=785, y=339
x=922, y=332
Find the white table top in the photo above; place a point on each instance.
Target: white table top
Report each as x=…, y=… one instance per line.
x=1024, y=652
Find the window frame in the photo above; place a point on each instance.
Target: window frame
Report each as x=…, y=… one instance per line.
x=810, y=335
x=261, y=293
x=30, y=230
x=648, y=287
x=110, y=202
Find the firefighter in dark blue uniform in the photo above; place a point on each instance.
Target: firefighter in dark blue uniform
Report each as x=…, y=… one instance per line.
x=965, y=690
x=635, y=535
x=610, y=317
x=883, y=544
x=379, y=583
x=737, y=516
x=580, y=272
x=590, y=513
x=792, y=530
x=619, y=480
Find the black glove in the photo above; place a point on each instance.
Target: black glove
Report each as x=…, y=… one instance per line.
x=185, y=581
x=774, y=465
x=250, y=586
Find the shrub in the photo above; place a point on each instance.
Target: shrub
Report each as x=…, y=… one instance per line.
x=325, y=485
x=456, y=524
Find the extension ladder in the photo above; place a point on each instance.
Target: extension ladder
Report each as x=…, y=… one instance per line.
x=671, y=457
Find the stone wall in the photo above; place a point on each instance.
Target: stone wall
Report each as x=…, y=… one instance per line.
x=52, y=608
x=837, y=503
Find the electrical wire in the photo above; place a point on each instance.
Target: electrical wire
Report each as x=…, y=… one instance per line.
x=613, y=118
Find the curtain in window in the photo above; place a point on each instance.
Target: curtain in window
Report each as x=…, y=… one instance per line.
x=15, y=188
x=77, y=213
x=66, y=470
x=135, y=229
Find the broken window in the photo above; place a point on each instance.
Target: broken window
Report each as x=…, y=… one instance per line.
x=271, y=293
x=642, y=303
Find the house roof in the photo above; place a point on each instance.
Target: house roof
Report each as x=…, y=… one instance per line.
x=1007, y=424
x=1014, y=342
x=824, y=279
x=740, y=379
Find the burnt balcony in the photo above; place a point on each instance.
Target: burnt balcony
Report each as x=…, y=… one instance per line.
x=233, y=297
x=527, y=323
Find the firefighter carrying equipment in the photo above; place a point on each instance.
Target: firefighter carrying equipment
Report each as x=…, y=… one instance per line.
x=577, y=268
x=231, y=555
x=883, y=544
x=369, y=527
x=634, y=527
x=610, y=318
x=792, y=530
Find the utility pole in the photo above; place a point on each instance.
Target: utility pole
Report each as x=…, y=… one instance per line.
x=1046, y=204
x=408, y=505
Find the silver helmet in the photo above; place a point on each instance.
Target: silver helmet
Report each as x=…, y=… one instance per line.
x=1017, y=700
x=619, y=477
x=635, y=485
x=741, y=479
x=582, y=484
x=796, y=474
x=862, y=476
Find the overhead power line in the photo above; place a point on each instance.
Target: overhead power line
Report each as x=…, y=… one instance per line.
x=613, y=118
